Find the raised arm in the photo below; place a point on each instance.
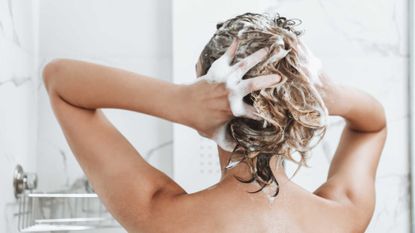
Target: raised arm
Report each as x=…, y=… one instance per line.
x=132, y=190
x=124, y=181
x=352, y=173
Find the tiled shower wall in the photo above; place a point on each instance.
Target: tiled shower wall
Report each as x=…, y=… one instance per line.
x=18, y=99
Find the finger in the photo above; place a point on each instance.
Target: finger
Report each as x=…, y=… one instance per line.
x=223, y=106
x=210, y=79
x=243, y=66
x=250, y=112
x=229, y=54
x=231, y=51
x=242, y=109
x=221, y=67
x=254, y=84
x=223, y=140
x=232, y=81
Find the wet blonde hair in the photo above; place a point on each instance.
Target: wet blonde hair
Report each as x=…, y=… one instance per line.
x=293, y=113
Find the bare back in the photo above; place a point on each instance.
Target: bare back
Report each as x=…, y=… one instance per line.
x=227, y=207
x=143, y=199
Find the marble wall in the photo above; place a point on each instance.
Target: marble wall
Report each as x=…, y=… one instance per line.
x=136, y=37
x=361, y=43
x=18, y=100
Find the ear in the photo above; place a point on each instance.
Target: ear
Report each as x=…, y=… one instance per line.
x=219, y=25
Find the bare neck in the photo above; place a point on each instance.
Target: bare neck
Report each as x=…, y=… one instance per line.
x=242, y=170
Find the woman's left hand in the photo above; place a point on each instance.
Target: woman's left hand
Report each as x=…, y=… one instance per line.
x=218, y=96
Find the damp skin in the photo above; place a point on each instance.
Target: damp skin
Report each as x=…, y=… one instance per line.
x=269, y=190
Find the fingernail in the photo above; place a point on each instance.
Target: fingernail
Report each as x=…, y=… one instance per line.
x=262, y=51
x=266, y=49
x=277, y=78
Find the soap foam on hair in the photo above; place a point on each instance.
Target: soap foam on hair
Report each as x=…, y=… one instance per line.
x=294, y=106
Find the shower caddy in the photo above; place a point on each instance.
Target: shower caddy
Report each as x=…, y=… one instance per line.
x=69, y=210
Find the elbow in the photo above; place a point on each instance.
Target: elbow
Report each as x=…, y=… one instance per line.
x=383, y=129
x=378, y=112
x=379, y=119
x=383, y=120
x=50, y=73
x=383, y=112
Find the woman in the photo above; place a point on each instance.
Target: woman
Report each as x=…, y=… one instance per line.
x=262, y=99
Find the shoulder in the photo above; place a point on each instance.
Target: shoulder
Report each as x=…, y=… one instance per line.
x=340, y=207
x=181, y=212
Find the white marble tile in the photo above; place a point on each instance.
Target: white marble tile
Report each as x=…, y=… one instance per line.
x=391, y=212
x=18, y=99
x=376, y=27
x=383, y=77
x=105, y=28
